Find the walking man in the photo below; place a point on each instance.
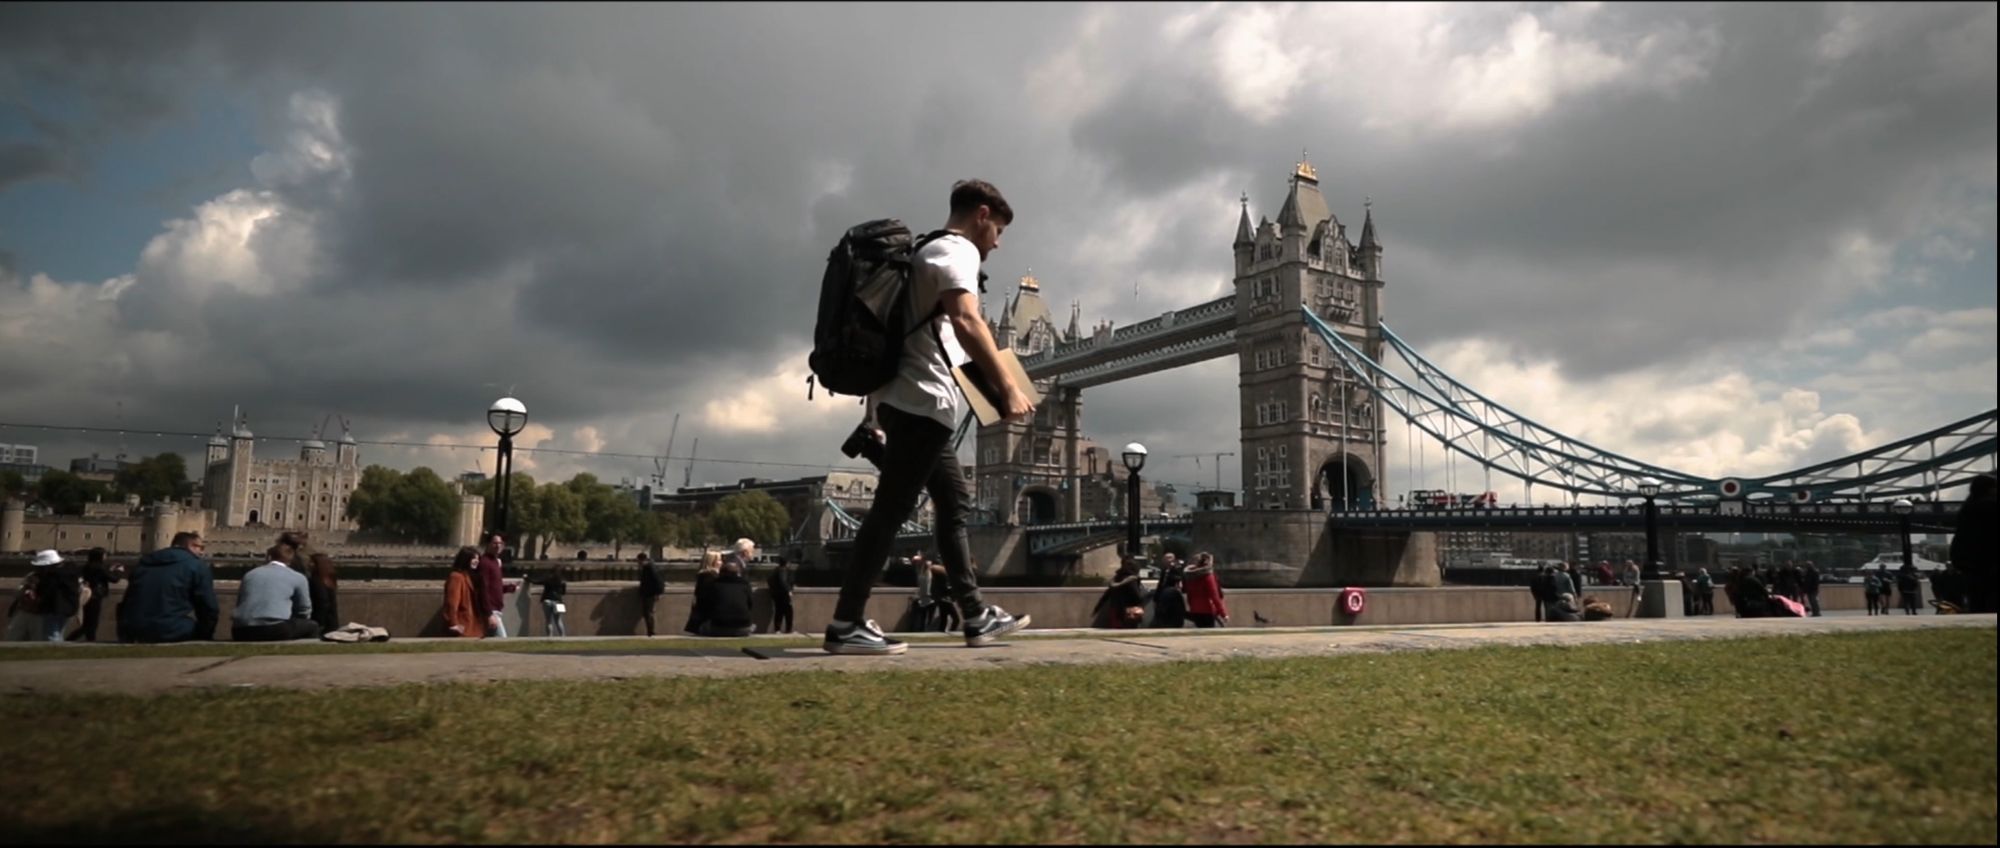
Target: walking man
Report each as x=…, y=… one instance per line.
x=918, y=410
x=651, y=587
x=1630, y=577
x=1811, y=580
x=491, y=596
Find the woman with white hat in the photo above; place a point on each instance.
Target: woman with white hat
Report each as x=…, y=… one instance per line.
x=44, y=603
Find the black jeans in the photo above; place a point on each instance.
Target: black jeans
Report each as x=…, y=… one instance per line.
x=781, y=616
x=93, y=609
x=917, y=457
x=646, y=603
x=283, y=631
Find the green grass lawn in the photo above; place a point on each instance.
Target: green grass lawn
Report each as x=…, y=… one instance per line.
x=1877, y=737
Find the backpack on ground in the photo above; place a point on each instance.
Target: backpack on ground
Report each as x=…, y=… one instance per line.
x=864, y=309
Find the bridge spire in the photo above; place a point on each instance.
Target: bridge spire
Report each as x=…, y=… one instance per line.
x=1368, y=223
x=1243, y=223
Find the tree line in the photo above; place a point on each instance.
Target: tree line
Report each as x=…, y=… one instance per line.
x=162, y=477
x=419, y=506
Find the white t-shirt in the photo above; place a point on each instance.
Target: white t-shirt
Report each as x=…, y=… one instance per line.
x=923, y=384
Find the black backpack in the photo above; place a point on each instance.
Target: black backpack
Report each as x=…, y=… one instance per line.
x=864, y=309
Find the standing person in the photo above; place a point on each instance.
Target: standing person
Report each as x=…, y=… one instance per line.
x=324, y=588
x=1704, y=592
x=553, y=589
x=1809, y=579
x=1538, y=589
x=170, y=595
x=48, y=597
x=651, y=587
x=948, y=618
x=1204, y=593
x=273, y=603
x=1169, y=602
x=1788, y=581
x=921, y=600
x=725, y=602
x=711, y=568
x=1908, y=585
x=1565, y=597
x=1871, y=590
x=918, y=410
x=1603, y=574
x=1630, y=577
x=1972, y=544
x=461, y=611
x=780, y=583
x=98, y=579
x=490, y=579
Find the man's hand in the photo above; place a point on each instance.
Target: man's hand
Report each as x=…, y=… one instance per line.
x=1018, y=406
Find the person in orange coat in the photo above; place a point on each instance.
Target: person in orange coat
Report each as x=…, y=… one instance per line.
x=460, y=617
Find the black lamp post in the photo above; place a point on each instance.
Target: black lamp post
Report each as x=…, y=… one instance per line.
x=1650, y=489
x=507, y=417
x=1902, y=507
x=1135, y=459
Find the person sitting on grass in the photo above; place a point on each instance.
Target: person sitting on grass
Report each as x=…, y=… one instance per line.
x=273, y=602
x=726, y=604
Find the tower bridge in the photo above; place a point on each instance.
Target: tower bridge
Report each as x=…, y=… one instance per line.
x=1319, y=372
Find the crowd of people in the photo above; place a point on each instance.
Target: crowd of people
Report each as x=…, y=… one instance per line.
x=1185, y=594
x=169, y=596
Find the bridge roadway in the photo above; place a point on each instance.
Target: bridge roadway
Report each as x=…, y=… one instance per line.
x=1871, y=517
x=1182, y=337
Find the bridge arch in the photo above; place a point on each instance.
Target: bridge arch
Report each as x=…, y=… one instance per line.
x=1344, y=481
x=1038, y=504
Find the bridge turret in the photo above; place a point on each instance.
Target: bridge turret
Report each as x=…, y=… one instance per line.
x=1370, y=251
x=1246, y=240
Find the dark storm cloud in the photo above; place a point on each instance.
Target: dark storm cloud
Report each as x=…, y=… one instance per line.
x=623, y=209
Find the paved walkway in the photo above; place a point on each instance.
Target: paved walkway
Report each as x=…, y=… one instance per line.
x=762, y=655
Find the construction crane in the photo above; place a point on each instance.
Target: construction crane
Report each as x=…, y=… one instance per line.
x=687, y=479
x=1218, y=462
x=660, y=462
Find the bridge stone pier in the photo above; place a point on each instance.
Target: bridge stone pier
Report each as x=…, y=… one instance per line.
x=1298, y=548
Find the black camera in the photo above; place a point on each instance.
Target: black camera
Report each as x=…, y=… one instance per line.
x=862, y=443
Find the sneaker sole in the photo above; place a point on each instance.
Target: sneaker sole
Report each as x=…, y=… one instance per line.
x=989, y=638
x=856, y=650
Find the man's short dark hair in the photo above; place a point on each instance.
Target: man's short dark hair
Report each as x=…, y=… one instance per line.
x=490, y=535
x=968, y=195
x=183, y=537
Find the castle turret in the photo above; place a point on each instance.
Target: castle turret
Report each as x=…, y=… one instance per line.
x=13, y=526
x=348, y=453
x=160, y=527
x=218, y=447
x=312, y=450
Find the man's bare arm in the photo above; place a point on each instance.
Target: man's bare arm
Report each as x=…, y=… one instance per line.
x=962, y=309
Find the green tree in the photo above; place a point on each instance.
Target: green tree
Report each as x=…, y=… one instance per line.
x=373, y=502
x=558, y=516
x=521, y=509
x=12, y=483
x=424, y=507
x=156, y=478
x=66, y=493
x=751, y=515
x=622, y=521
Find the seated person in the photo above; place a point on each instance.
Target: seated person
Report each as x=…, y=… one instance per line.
x=170, y=595
x=725, y=603
x=1753, y=597
x=274, y=603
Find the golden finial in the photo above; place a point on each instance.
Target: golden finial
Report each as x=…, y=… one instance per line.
x=1028, y=281
x=1305, y=168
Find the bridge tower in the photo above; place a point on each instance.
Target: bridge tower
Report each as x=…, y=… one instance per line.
x=1027, y=470
x=1312, y=431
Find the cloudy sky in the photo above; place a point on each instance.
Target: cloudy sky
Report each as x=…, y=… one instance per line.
x=1729, y=239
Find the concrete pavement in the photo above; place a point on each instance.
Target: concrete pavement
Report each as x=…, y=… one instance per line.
x=764, y=655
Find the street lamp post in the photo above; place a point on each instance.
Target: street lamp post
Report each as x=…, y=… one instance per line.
x=1650, y=489
x=1135, y=459
x=1902, y=507
x=507, y=417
